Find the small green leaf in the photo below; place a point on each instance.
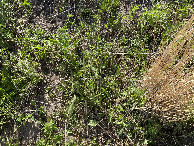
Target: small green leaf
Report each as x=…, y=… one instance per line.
x=33, y=103
x=82, y=25
x=70, y=15
x=70, y=110
x=92, y=123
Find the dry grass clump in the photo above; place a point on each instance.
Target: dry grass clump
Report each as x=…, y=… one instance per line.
x=170, y=80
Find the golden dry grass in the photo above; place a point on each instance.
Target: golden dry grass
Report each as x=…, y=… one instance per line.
x=170, y=80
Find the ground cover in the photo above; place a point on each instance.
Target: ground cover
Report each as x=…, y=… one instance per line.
x=71, y=71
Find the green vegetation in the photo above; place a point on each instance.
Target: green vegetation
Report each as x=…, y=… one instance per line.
x=89, y=69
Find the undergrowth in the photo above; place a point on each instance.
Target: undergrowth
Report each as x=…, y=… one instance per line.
x=91, y=68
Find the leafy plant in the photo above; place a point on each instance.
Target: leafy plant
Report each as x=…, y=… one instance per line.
x=89, y=70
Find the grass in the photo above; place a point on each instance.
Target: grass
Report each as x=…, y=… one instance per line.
x=169, y=82
x=76, y=78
